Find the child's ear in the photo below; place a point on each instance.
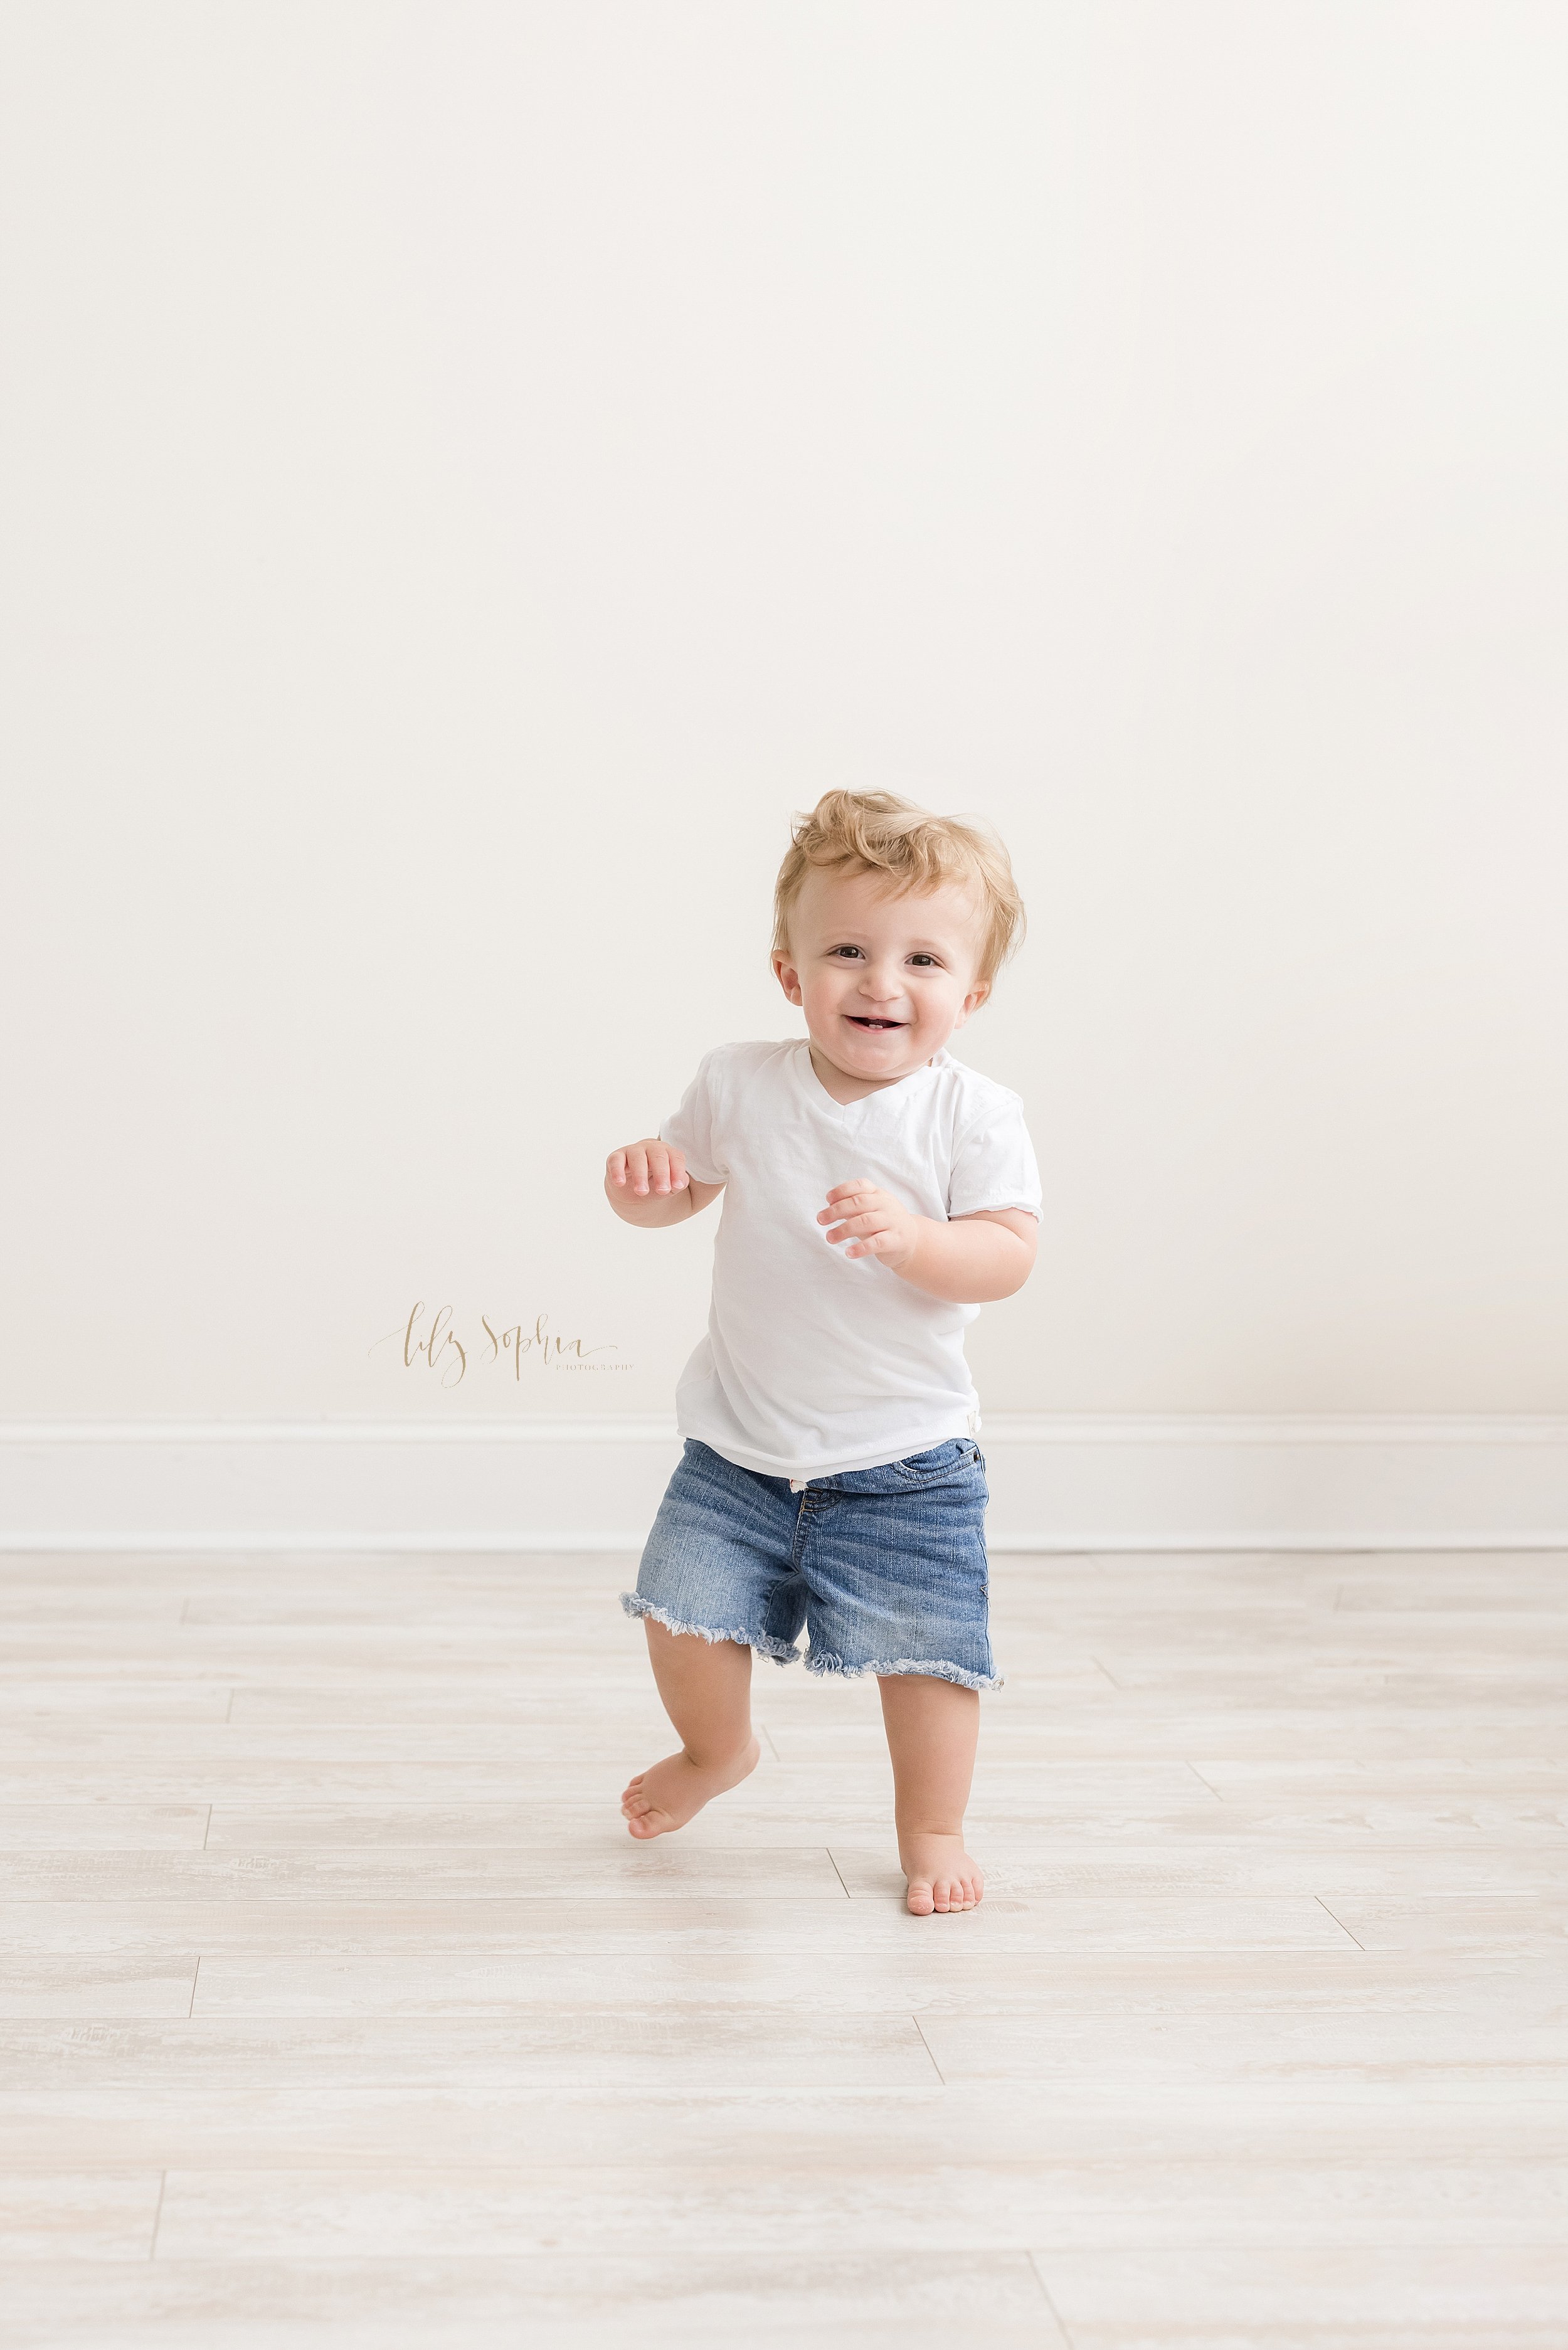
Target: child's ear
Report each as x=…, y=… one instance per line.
x=787, y=976
x=973, y=1001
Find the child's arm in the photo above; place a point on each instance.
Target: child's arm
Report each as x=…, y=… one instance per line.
x=646, y=1183
x=971, y=1260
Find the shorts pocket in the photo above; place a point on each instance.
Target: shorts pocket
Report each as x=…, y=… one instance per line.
x=942, y=1460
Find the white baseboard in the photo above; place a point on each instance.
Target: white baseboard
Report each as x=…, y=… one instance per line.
x=1132, y=1482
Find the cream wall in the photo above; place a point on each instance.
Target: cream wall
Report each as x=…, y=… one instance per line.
x=472, y=471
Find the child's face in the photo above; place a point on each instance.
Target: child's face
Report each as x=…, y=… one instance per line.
x=883, y=982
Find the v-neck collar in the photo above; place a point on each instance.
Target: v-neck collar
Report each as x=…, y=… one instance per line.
x=816, y=1093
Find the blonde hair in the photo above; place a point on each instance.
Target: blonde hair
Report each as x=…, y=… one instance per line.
x=874, y=832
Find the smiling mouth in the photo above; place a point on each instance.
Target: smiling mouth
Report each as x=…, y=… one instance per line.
x=859, y=1021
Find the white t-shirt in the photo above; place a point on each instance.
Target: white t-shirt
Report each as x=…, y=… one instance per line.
x=816, y=1362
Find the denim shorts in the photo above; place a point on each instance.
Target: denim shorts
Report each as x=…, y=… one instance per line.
x=885, y=1568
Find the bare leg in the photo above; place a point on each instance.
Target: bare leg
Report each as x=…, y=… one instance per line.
x=933, y=1727
x=706, y=1686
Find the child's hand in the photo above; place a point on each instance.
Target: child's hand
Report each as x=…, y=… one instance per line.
x=651, y=1166
x=872, y=1221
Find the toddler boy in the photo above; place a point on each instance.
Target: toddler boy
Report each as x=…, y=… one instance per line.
x=877, y=1193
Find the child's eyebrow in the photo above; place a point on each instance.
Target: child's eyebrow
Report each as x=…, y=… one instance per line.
x=911, y=946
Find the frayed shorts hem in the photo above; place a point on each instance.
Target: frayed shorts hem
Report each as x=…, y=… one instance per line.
x=785, y=1653
x=934, y=1668
x=781, y=1651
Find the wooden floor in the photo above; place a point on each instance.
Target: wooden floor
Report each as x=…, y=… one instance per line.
x=338, y=2009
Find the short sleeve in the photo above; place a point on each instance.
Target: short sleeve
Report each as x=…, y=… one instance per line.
x=994, y=1165
x=691, y=1129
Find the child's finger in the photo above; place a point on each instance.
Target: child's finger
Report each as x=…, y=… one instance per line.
x=849, y=1203
x=858, y=1228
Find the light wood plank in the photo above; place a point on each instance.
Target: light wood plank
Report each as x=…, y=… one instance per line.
x=602, y=1866
x=1416, y=1777
x=659, y=1925
x=1490, y=2048
x=1326, y=2127
x=102, y=1827
x=483, y=2211
x=592, y=2300
x=98, y=1987
x=1435, y=1923
x=706, y=2049
x=1333, y=2297
x=103, y=1699
x=87, y=2215
x=965, y=1979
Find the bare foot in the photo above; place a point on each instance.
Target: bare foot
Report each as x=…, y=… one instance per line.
x=943, y=1877
x=668, y=1793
